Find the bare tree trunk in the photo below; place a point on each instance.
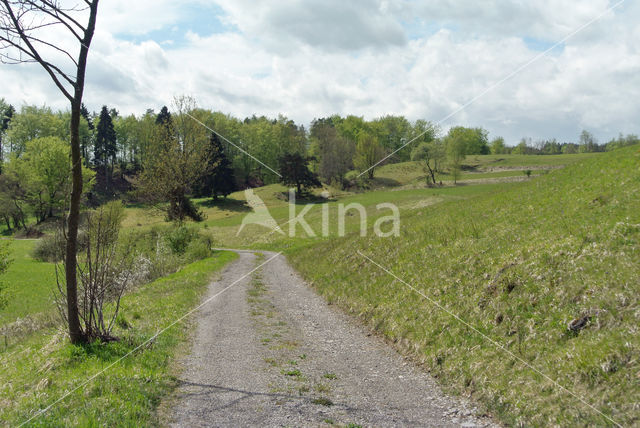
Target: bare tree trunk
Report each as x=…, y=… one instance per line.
x=75, y=330
x=21, y=21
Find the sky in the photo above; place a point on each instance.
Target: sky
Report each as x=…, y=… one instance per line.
x=527, y=68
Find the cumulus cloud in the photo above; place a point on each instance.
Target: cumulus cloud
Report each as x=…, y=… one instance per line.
x=325, y=24
x=313, y=59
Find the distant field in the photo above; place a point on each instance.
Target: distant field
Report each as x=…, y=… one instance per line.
x=477, y=167
x=488, y=161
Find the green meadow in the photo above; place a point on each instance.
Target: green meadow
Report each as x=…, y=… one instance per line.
x=516, y=261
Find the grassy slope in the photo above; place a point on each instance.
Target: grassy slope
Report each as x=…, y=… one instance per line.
x=223, y=231
x=518, y=264
x=30, y=283
x=41, y=369
x=484, y=166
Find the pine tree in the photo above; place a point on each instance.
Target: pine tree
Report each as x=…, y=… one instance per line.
x=85, y=141
x=105, y=149
x=164, y=117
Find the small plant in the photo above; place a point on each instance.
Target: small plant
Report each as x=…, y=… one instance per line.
x=322, y=401
x=527, y=172
x=294, y=373
x=330, y=376
x=322, y=388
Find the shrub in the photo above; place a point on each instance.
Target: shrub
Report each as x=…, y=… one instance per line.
x=180, y=238
x=355, y=180
x=49, y=248
x=105, y=269
x=199, y=248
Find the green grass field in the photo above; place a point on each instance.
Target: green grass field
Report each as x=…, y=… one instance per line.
x=30, y=283
x=41, y=369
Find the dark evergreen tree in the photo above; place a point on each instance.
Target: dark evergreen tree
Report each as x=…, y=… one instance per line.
x=164, y=117
x=220, y=179
x=294, y=172
x=105, y=149
x=85, y=113
x=85, y=141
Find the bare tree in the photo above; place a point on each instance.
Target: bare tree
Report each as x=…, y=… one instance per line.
x=106, y=270
x=24, y=29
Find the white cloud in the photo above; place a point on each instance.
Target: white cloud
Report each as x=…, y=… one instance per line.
x=325, y=24
x=309, y=60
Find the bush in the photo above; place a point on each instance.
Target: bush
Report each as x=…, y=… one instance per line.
x=166, y=249
x=355, y=180
x=199, y=248
x=49, y=248
x=52, y=248
x=180, y=238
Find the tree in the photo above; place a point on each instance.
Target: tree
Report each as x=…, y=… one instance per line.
x=498, y=147
x=295, y=172
x=368, y=152
x=392, y=133
x=335, y=152
x=587, y=142
x=523, y=148
x=23, y=38
x=34, y=122
x=474, y=139
x=104, y=151
x=85, y=140
x=431, y=156
x=220, y=180
x=164, y=117
x=177, y=160
x=41, y=176
x=106, y=270
x=6, y=114
x=456, y=148
x=622, y=141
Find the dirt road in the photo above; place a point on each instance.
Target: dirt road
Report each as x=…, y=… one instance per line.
x=270, y=352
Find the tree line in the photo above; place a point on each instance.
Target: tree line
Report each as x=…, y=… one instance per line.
x=171, y=155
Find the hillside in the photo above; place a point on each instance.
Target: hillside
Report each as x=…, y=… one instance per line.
x=518, y=265
x=477, y=169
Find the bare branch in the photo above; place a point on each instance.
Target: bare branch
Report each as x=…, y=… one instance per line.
x=55, y=12
x=31, y=50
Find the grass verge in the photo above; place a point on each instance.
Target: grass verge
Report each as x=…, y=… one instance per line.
x=39, y=370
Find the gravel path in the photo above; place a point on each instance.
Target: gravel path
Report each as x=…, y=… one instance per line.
x=270, y=352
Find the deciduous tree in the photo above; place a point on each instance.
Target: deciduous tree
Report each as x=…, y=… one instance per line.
x=295, y=172
x=176, y=161
x=368, y=152
x=24, y=37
